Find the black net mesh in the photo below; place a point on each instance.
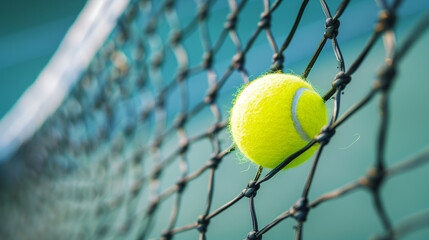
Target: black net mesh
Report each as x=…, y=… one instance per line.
x=119, y=157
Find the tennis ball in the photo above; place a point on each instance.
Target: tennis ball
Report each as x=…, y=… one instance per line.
x=275, y=116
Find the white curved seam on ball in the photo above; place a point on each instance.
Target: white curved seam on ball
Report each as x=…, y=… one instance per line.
x=294, y=110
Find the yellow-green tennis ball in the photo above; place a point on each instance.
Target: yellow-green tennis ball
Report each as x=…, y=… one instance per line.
x=275, y=116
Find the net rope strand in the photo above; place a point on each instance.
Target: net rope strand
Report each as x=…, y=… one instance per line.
x=131, y=64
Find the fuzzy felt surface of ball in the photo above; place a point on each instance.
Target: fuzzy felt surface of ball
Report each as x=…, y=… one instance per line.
x=274, y=116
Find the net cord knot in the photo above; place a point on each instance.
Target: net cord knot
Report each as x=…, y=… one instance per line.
x=252, y=236
x=202, y=223
x=214, y=161
x=181, y=184
x=385, y=77
x=300, y=210
x=265, y=21
x=325, y=135
x=238, y=60
x=153, y=206
x=386, y=20
x=375, y=179
x=341, y=80
x=203, y=12
x=251, y=189
x=211, y=94
x=207, y=60
x=278, y=60
x=181, y=120
x=231, y=22
x=182, y=74
x=175, y=37
x=215, y=128
x=157, y=60
x=331, y=26
x=184, y=147
x=166, y=235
